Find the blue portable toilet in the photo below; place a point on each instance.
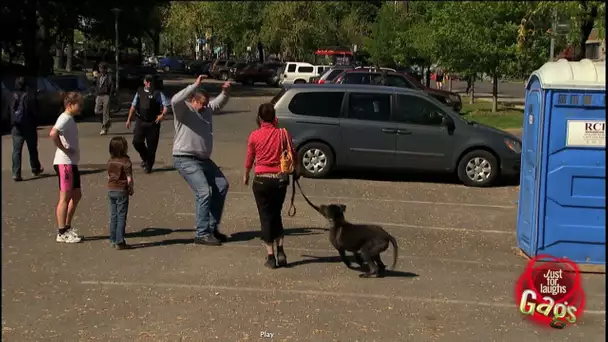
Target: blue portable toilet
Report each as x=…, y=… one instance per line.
x=562, y=198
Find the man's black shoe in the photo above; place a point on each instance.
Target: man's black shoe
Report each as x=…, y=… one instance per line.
x=221, y=237
x=17, y=178
x=147, y=169
x=143, y=164
x=37, y=173
x=207, y=240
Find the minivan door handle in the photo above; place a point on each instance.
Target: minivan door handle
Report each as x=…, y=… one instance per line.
x=404, y=132
x=389, y=130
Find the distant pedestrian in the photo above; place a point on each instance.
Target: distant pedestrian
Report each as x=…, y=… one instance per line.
x=192, y=148
x=104, y=88
x=265, y=147
x=24, y=128
x=150, y=106
x=439, y=78
x=120, y=187
x=65, y=137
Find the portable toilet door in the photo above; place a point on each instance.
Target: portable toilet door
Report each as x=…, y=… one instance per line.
x=562, y=196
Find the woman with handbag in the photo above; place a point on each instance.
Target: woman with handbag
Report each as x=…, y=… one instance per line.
x=272, y=150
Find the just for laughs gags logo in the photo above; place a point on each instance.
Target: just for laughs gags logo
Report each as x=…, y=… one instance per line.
x=550, y=293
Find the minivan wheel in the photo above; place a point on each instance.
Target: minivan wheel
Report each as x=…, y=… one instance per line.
x=316, y=160
x=478, y=168
x=299, y=82
x=167, y=69
x=224, y=76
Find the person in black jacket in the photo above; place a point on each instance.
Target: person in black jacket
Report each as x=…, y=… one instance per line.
x=24, y=128
x=151, y=106
x=104, y=88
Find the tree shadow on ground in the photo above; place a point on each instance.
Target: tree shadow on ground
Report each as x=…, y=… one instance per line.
x=250, y=235
x=412, y=177
x=51, y=173
x=145, y=233
x=336, y=259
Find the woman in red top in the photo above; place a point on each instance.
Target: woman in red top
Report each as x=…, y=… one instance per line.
x=265, y=146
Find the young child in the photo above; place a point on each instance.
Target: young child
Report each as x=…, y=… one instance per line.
x=120, y=187
x=65, y=136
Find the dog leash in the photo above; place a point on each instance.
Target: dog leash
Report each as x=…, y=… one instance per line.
x=293, y=196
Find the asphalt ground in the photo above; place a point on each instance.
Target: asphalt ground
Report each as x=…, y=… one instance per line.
x=454, y=281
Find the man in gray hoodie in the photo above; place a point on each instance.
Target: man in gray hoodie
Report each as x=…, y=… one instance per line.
x=192, y=147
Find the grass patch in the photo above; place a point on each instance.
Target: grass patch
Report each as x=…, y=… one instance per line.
x=507, y=117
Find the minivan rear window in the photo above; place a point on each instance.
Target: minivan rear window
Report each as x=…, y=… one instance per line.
x=323, y=104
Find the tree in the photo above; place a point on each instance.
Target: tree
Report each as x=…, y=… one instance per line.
x=299, y=35
x=472, y=43
x=384, y=42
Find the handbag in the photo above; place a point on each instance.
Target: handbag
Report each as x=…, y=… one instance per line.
x=287, y=166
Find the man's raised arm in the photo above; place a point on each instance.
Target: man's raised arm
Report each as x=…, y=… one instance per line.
x=183, y=94
x=220, y=101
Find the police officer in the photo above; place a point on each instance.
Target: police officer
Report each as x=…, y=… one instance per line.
x=151, y=106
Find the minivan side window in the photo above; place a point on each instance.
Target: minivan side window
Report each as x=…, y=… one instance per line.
x=417, y=111
x=369, y=106
x=291, y=67
x=306, y=69
x=324, y=104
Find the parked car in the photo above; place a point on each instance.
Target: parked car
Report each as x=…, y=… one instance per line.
x=254, y=73
x=365, y=126
x=80, y=83
x=330, y=74
x=48, y=95
x=171, y=63
x=277, y=68
x=132, y=77
x=238, y=66
x=218, y=63
x=394, y=79
x=221, y=71
x=299, y=72
x=196, y=67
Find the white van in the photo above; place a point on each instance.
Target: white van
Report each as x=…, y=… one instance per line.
x=300, y=72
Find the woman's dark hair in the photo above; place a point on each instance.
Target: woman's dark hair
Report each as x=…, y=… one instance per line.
x=118, y=147
x=266, y=112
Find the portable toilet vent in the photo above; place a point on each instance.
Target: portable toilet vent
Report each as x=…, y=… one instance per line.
x=562, y=199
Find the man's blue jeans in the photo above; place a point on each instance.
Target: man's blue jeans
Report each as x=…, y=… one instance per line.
x=210, y=188
x=29, y=136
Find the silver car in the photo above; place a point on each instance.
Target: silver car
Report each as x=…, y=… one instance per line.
x=363, y=126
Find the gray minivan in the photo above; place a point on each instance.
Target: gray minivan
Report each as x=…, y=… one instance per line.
x=362, y=126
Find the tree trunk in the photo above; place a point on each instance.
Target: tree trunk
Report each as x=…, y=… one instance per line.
x=140, y=53
x=43, y=51
x=449, y=82
x=69, y=51
x=30, y=33
x=58, y=60
x=156, y=43
x=586, y=25
x=472, y=91
x=427, y=76
x=494, y=93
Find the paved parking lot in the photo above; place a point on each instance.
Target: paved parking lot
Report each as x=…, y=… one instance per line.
x=454, y=280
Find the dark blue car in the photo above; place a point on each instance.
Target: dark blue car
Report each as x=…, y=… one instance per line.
x=171, y=64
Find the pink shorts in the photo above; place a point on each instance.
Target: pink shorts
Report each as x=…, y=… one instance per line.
x=69, y=177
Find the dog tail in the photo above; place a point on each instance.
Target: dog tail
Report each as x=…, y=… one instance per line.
x=392, y=240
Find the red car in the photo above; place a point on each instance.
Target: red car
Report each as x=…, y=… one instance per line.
x=400, y=80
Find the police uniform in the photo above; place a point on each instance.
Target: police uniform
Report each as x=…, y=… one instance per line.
x=146, y=133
